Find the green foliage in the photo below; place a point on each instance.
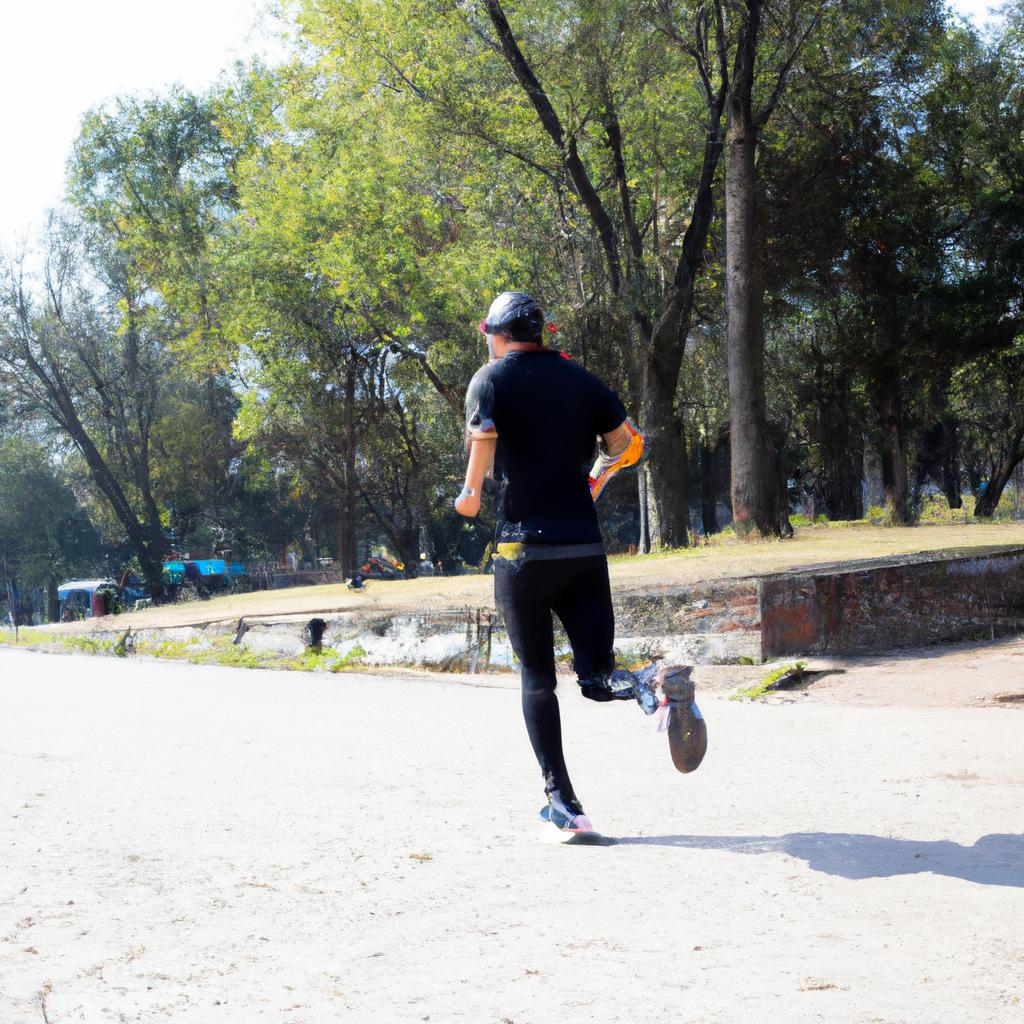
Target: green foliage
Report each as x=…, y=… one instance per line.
x=791, y=673
x=88, y=645
x=172, y=650
x=231, y=655
x=45, y=532
x=270, y=290
x=218, y=650
x=153, y=174
x=350, y=659
x=799, y=521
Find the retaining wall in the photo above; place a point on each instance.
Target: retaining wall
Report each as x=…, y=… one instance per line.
x=828, y=609
x=877, y=606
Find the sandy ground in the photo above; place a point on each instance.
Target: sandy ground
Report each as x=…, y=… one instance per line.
x=726, y=560
x=210, y=845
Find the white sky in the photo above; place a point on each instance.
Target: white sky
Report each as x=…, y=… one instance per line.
x=59, y=58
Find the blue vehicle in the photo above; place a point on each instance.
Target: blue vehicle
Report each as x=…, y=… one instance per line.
x=78, y=599
x=204, y=574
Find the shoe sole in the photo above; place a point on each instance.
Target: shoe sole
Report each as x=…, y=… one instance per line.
x=687, y=730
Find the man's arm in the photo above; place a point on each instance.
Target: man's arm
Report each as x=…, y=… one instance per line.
x=618, y=450
x=481, y=440
x=481, y=458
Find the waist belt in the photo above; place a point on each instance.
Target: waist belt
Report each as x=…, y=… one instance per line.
x=510, y=551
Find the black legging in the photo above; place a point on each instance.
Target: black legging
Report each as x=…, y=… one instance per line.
x=577, y=591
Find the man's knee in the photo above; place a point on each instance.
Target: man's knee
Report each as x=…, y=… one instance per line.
x=538, y=679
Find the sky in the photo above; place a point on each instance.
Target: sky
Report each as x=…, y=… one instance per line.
x=60, y=58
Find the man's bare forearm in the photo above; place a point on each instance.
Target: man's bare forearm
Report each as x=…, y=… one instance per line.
x=481, y=458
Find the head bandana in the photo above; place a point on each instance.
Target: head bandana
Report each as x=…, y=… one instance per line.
x=515, y=314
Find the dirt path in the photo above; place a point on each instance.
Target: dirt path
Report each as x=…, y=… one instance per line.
x=214, y=845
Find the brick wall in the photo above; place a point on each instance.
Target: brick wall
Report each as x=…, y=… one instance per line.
x=877, y=606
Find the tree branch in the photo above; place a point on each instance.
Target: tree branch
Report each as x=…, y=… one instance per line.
x=567, y=146
x=783, y=76
x=613, y=134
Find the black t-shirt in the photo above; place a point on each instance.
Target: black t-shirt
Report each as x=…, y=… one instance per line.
x=547, y=411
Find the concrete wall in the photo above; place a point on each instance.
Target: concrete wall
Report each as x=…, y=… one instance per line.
x=872, y=607
x=878, y=606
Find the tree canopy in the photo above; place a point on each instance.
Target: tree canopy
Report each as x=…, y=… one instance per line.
x=790, y=234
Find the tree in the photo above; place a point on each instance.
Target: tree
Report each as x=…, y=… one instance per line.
x=887, y=260
x=78, y=356
x=758, y=487
x=989, y=402
x=152, y=177
x=573, y=116
x=44, y=532
x=344, y=274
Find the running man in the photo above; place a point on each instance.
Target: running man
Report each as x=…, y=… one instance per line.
x=541, y=414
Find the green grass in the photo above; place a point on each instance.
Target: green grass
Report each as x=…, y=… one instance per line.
x=769, y=681
x=28, y=637
x=230, y=655
x=220, y=650
x=87, y=645
x=313, y=661
x=325, y=660
x=352, y=659
x=173, y=650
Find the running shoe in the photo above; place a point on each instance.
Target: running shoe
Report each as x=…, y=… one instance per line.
x=647, y=686
x=566, y=815
x=685, y=725
x=617, y=685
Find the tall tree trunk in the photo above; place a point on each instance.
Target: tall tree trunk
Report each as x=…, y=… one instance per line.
x=52, y=600
x=760, y=501
x=141, y=540
x=951, y=478
x=643, y=492
x=755, y=487
x=888, y=401
x=872, y=485
x=841, y=465
x=987, y=501
x=668, y=506
x=643, y=488
x=148, y=550
x=667, y=491
x=347, y=531
x=708, y=502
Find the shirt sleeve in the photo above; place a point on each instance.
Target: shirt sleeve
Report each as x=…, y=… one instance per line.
x=480, y=425
x=608, y=410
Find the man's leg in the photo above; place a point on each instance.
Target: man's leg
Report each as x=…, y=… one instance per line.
x=584, y=606
x=521, y=593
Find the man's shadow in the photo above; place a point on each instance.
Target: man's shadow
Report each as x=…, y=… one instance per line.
x=992, y=860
